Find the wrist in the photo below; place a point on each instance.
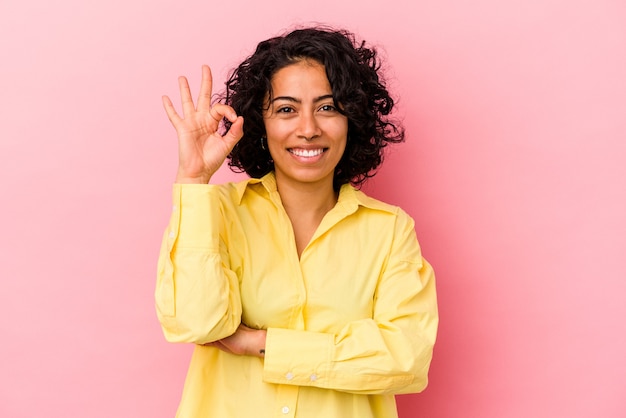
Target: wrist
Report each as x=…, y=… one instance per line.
x=259, y=350
x=181, y=179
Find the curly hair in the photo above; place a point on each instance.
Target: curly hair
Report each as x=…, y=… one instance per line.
x=358, y=89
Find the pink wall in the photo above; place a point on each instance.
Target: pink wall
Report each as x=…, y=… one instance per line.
x=514, y=170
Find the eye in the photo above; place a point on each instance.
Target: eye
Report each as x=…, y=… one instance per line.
x=328, y=108
x=284, y=109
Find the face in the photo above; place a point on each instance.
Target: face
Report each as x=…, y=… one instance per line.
x=306, y=134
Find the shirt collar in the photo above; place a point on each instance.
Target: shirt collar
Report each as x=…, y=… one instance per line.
x=268, y=181
x=349, y=197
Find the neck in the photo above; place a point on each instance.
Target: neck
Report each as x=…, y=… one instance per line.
x=306, y=205
x=308, y=200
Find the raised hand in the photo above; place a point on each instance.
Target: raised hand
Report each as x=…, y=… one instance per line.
x=201, y=149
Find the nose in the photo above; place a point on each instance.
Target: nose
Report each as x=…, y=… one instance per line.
x=308, y=127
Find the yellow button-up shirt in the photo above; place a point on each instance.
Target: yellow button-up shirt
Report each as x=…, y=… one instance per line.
x=350, y=322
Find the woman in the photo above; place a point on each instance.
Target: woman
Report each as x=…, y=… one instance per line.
x=304, y=297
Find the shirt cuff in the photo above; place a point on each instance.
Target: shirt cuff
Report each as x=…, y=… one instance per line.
x=295, y=357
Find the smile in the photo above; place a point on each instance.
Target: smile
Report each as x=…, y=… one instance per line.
x=307, y=153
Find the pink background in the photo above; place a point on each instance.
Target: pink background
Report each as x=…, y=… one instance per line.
x=514, y=170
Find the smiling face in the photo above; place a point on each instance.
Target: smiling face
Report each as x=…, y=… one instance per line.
x=306, y=134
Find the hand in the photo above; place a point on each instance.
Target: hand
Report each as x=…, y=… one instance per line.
x=201, y=149
x=244, y=342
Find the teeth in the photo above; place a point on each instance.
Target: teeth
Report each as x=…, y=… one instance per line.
x=307, y=153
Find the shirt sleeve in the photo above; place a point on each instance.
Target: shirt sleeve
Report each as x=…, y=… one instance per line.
x=388, y=353
x=197, y=295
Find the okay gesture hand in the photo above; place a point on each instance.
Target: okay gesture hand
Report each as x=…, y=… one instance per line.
x=201, y=149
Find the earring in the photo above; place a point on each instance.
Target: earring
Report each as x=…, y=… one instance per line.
x=263, y=143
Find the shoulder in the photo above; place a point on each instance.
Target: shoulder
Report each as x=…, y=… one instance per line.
x=378, y=205
x=375, y=204
x=401, y=220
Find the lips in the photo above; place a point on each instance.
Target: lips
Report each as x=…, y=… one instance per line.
x=306, y=153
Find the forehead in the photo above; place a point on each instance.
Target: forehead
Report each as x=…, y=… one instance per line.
x=302, y=75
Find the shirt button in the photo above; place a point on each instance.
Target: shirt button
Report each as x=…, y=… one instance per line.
x=285, y=410
x=172, y=234
x=289, y=376
x=313, y=377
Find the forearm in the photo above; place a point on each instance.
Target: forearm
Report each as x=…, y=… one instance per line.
x=362, y=359
x=197, y=295
x=388, y=353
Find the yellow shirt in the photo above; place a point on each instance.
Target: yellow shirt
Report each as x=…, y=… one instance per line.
x=349, y=324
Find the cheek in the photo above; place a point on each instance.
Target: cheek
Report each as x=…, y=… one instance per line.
x=343, y=149
x=341, y=134
x=336, y=128
x=344, y=126
x=275, y=130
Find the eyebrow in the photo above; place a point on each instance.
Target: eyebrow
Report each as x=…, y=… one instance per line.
x=293, y=99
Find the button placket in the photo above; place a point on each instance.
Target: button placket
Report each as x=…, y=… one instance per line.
x=286, y=400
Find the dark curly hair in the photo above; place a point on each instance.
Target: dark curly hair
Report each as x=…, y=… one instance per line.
x=358, y=92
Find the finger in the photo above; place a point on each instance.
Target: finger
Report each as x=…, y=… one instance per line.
x=219, y=111
x=169, y=109
x=233, y=135
x=185, y=96
x=206, y=88
x=227, y=347
x=221, y=346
